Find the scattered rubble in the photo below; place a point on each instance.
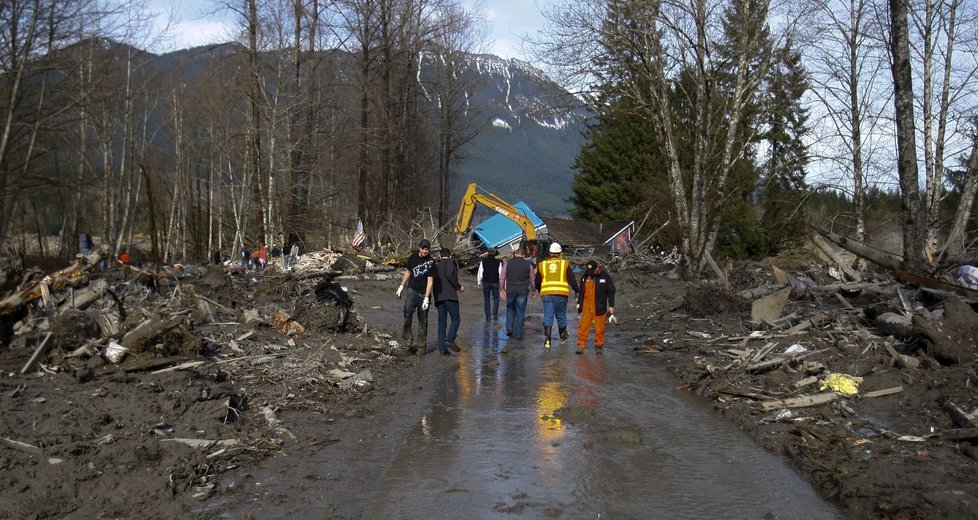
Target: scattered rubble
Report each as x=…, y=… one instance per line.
x=175, y=376
x=865, y=382
x=157, y=383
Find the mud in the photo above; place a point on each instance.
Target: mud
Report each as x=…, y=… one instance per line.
x=85, y=438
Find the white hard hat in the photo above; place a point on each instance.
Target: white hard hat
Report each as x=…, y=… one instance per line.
x=555, y=248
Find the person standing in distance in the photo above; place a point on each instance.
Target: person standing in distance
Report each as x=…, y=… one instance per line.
x=595, y=303
x=446, y=291
x=554, y=281
x=516, y=285
x=418, y=278
x=488, y=279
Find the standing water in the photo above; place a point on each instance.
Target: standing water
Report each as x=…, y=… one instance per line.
x=532, y=433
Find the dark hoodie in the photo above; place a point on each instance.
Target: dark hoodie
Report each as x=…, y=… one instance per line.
x=604, y=289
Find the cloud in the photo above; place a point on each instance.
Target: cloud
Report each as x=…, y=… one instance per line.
x=200, y=32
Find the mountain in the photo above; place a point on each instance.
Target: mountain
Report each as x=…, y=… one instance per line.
x=535, y=133
x=531, y=127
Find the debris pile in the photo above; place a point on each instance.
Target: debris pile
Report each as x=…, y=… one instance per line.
x=176, y=375
x=822, y=367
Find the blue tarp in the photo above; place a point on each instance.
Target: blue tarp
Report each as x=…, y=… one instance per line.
x=499, y=230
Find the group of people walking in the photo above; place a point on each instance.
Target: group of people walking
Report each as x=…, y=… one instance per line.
x=514, y=281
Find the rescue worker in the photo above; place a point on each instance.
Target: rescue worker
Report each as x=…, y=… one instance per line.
x=554, y=281
x=419, y=280
x=595, y=304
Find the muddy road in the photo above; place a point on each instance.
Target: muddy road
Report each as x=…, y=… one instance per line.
x=255, y=402
x=506, y=429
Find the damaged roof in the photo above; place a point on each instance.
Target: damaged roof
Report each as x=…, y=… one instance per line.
x=581, y=233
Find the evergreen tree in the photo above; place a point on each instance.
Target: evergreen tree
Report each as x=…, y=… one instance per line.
x=784, y=189
x=620, y=171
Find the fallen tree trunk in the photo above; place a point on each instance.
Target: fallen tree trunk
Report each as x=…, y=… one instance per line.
x=69, y=276
x=800, y=402
x=853, y=275
x=85, y=297
x=148, y=330
x=878, y=257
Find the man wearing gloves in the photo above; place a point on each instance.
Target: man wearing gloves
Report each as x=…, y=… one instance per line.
x=595, y=304
x=418, y=278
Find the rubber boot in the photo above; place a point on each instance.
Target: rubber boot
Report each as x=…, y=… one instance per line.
x=563, y=336
x=406, y=333
x=546, y=335
x=422, y=340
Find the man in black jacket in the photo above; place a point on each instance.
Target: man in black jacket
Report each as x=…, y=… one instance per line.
x=446, y=290
x=595, y=302
x=488, y=279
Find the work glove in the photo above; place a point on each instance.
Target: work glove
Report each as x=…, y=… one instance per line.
x=400, y=289
x=612, y=319
x=424, y=304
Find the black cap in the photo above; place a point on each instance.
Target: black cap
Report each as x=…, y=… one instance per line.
x=591, y=265
x=424, y=243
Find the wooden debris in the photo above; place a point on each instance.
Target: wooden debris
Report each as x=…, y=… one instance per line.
x=38, y=352
x=183, y=366
x=810, y=380
x=878, y=257
x=883, y=392
x=804, y=325
x=67, y=277
x=961, y=417
x=800, y=402
x=148, y=330
x=768, y=308
x=960, y=434
x=20, y=446
x=83, y=298
x=834, y=256
x=781, y=359
x=204, y=443
x=903, y=360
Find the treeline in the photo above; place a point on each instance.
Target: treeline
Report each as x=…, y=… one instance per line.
x=727, y=118
x=317, y=116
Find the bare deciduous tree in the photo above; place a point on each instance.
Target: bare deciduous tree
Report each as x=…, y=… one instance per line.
x=643, y=48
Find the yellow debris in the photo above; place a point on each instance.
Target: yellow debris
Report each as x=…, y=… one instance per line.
x=842, y=383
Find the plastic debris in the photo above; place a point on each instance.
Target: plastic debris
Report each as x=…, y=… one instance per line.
x=795, y=349
x=842, y=383
x=114, y=352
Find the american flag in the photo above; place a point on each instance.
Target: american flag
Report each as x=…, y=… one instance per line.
x=358, y=236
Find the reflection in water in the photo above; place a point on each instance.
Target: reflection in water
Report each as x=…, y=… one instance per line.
x=469, y=374
x=551, y=395
x=590, y=375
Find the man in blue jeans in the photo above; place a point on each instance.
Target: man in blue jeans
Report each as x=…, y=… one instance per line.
x=490, y=269
x=446, y=290
x=516, y=285
x=554, y=280
x=418, y=278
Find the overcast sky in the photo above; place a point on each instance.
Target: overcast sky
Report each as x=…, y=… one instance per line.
x=509, y=19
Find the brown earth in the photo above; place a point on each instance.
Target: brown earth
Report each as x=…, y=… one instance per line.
x=280, y=370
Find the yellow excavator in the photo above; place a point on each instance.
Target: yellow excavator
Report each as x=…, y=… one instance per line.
x=532, y=245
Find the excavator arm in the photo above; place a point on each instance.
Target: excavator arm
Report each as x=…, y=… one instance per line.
x=472, y=197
